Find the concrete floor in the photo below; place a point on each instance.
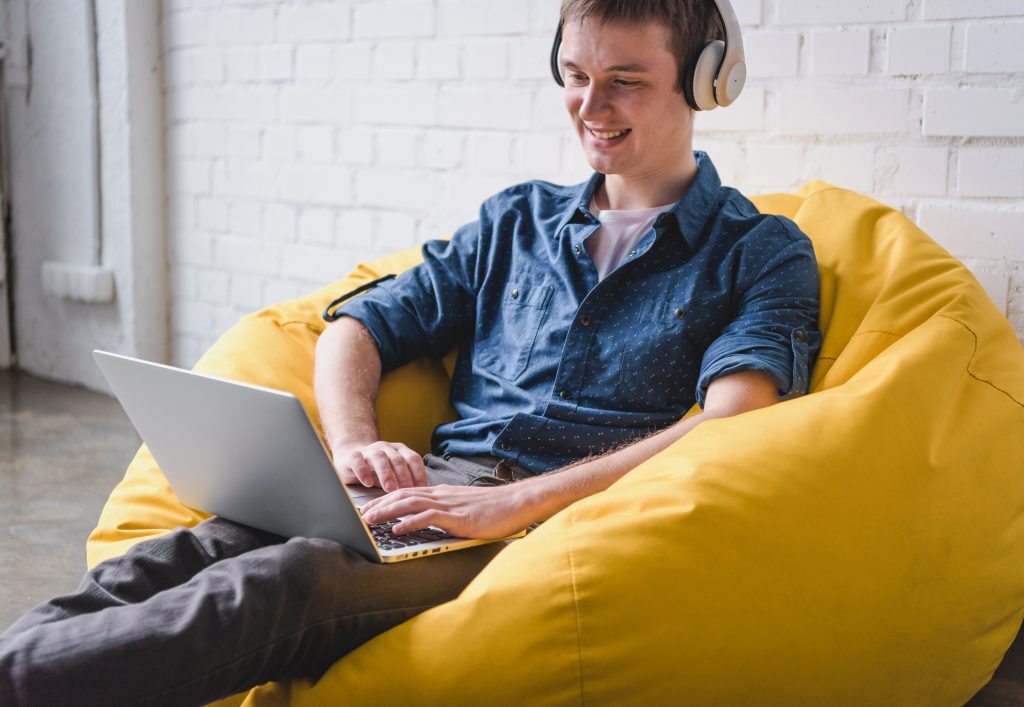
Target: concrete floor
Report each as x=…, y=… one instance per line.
x=62, y=450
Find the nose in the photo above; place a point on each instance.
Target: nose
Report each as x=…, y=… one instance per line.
x=595, y=101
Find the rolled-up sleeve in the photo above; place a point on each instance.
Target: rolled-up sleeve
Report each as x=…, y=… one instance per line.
x=776, y=326
x=427, y=309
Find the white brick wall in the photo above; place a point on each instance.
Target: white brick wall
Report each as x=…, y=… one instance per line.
x=305, y=136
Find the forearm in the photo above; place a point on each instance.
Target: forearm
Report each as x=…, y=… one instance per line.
x=346, y=378
x=548, y=494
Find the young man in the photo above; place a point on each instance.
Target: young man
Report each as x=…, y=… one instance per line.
x=589, y=319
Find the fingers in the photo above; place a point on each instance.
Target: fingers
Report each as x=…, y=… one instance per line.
x=389, y=465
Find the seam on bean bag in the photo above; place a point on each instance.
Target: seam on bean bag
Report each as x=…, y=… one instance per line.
x=971, y=373
x=575, y=603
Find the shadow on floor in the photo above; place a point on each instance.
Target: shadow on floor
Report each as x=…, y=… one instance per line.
x=62, y=450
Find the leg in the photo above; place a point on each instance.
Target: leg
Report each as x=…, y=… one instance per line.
x=287, y=610
x=149, y=567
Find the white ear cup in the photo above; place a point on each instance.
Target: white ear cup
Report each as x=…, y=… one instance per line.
x=704, y=74
x=729, y=86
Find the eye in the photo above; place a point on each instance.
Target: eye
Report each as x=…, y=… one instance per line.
x=577, y=78
x=627, y=84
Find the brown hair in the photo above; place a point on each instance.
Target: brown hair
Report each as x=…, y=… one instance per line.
x=691, y=23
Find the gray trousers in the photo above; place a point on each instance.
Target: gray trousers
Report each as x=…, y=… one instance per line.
x=207, y=612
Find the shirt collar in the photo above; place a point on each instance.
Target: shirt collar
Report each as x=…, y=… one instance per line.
x=691, y=212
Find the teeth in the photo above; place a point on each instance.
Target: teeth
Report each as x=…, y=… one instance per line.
x=608, y=136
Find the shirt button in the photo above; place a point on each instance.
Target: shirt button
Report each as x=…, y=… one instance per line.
x=506, y=446
x=565, y=395
x=679, y=313
x=585, y=320
x=800, y=336
x=632, y=253
x=577, y=249
x=515, y=293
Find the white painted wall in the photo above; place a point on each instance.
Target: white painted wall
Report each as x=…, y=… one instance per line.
x=86, y=138
x=302, y=137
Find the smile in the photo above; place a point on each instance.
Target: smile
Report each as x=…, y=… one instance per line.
x=608, y=135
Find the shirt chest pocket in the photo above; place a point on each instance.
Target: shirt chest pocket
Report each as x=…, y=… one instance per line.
x=657, y=369
x=507, y=341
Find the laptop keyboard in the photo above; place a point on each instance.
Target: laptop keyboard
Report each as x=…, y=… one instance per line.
x=387, y=540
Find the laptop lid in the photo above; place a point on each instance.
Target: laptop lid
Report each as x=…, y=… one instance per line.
x=237, y=450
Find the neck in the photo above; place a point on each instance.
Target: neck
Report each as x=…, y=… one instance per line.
x=621, y=192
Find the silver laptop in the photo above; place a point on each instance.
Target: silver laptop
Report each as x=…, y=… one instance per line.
x=251, y=454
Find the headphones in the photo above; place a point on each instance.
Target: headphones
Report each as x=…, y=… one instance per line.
x=720, y=71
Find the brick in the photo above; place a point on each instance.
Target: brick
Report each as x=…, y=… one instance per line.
x=414, y=189
x=246, y=256
x=746, y=114
x=279, y=290
x=315, y=144
x=308, y=262
x=748, y=12
x=488, y=153
x=774, y=167
x=991, y=172
x=190, y=177
x=248, y=180
x=323, y=21
x=355, y=146
x=191, y=247
x=437, y=59
x=919, y=50
x=847, y=111
x=841, y=53
x=529, y=58
x=549, y=109
x=483, y=17
x=212, y=215
x=545, y=17
x=185, y=350
x=352, y=61
x=178, y=68
x=331, y=185
x=212, y=286
x=848, y=166
x=957, y=9
x=995, y=234
x=275, y=63
x=241, y=64
x=208, y=66
x=279, y=143
x=912, y=170
x=192, y=318
x=209, y=139
x=397, y=104
x=826, y=12
x=185, y=29
x=279, y=222
x=244, y=142
x=487, y=59
x=407, y=18
x=253, y=25
x=315, y=104
x=354, y=227
x=313, y=62
x=537, y=154
x=246, y=291
x=316, y=226
x=442, y=149
x=393, y=60
x=397, y=147
x=225, y=317
x=995, y=48
x=184, y=282
x=725, y=154
x=772, y=54
x=245, y=218
x=396, y=230
x=991, y=112
x=506, y=108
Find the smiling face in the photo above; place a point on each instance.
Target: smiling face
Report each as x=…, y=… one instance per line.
x=620, y=91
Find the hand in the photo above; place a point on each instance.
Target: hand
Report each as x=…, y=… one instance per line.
x=389, y=465
x=467, y=511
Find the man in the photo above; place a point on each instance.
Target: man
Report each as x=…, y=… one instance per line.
x=589, y=319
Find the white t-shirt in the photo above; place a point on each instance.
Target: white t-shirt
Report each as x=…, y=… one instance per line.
x=618, y=234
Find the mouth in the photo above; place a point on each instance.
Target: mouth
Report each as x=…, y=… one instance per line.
x=607, y=138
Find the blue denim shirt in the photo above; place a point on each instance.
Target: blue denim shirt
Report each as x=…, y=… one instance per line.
x=553, y=365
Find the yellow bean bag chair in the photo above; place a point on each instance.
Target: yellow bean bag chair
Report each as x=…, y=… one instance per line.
x=860, y=545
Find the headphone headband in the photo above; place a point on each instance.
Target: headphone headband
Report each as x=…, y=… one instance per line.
x=718, y=75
